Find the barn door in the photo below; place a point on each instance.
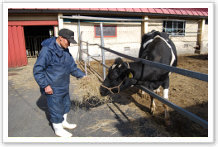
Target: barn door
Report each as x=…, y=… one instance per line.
x=16, y=47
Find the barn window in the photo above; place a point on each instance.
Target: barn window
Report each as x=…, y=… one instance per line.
x=108, y=31
x=174, y=28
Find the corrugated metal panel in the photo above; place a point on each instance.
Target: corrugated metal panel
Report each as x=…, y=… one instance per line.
x=200, y=13
x=113, y=9
x=121, y=9
x=178, y=12
x=189, y=12
x=129, y=9
x=165, y=11
x=145, y=10
x=137, y=10
x=184, y=12
x=151, y=10
x=205, y=13
x=172, y=11
x=158, y=10
x=103, y=9
x=16, y=47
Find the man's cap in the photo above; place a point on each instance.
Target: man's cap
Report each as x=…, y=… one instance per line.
x=68, y=34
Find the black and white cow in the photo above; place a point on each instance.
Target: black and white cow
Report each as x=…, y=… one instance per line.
x=155, y=46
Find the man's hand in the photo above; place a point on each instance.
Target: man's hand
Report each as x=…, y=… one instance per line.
x=48, y=90
x=86, y=78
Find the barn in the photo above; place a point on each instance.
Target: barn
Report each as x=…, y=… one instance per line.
x=27, y=27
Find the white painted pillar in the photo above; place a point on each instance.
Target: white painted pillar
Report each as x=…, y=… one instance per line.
x=60, y=21
x=56, y=31
x=144, y=25
x=200, y=37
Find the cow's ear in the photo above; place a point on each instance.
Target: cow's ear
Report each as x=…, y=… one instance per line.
x=118, y=61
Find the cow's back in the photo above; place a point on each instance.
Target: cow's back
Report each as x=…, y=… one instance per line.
x=155, y=43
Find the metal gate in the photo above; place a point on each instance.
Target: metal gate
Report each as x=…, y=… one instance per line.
x=33, y=45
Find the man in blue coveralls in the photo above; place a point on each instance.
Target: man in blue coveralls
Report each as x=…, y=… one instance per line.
x=52, y=73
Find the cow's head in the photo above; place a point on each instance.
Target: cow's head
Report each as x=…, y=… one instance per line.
x=119, y=77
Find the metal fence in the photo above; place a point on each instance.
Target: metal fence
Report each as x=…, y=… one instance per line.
x=192, y=74
x=188, y=73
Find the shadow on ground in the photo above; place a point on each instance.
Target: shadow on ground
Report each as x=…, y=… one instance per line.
x=127, y=122
x=199, y=57
x=42, y=104
x=151, y=126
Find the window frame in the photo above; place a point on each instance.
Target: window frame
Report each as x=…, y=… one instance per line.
x=95, y=26
x=174, y=23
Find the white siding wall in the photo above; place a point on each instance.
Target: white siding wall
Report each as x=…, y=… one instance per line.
x=129, y=36
x=184, y=44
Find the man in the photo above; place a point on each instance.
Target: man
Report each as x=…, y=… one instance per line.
x=52, y=73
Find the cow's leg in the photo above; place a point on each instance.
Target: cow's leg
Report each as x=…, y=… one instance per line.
x=157, y=91
x=166, y=96
x=166, y=108
x=143, y=94
x=153, y=105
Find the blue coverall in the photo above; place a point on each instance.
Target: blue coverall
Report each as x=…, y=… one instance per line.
x=53, y=67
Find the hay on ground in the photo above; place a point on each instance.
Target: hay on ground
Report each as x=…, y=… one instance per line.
x=87, y=91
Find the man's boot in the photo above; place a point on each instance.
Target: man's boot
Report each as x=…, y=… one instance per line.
x=59, y=130
x=66, y=124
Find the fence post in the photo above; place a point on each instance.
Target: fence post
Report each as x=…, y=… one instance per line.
x=87, y=46
x=102, y=50
x=80, y=41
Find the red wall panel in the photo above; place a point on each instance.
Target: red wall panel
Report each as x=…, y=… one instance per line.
x=16, y=41
x=22, y=43
x=16, y=47
x=9, y=48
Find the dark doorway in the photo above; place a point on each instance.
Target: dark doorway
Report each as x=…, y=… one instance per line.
x=34, y=35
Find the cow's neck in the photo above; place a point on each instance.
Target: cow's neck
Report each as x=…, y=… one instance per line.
x=136, y=68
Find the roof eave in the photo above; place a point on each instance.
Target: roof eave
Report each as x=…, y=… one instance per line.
x=38, y=11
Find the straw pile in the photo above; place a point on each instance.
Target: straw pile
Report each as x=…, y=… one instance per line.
x=87, y=91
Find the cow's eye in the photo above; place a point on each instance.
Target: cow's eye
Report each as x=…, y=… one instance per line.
x=113, y=76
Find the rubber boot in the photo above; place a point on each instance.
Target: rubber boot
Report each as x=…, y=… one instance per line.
x=66, y=124
x=59, y=130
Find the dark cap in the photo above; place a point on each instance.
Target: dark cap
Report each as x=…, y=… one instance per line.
x=68, y=34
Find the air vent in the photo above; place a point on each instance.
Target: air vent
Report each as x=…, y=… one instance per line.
x=185, y=45
x=126, y=48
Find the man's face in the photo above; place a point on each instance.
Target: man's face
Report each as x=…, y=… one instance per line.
x=64, y=43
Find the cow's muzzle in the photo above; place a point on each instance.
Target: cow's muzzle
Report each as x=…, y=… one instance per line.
x=111, y=88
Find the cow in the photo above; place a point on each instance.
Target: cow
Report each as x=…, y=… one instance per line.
x=155, y=46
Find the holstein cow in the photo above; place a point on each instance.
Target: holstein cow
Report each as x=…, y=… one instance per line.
x=155, y=46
